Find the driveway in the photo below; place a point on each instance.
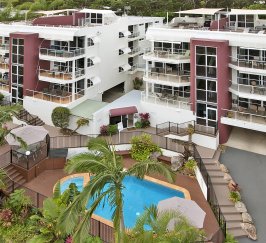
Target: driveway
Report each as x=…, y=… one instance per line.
x=249, y=171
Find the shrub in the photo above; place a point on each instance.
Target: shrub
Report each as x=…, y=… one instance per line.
x=144, y=119
x=230, y=238
x=103, y=130
x=112, y=129
x=1, y=97
x=190, y=166
x=60, y=117
x=234, y=196
x=143, y=147
x=138, y=124
x=137, y=83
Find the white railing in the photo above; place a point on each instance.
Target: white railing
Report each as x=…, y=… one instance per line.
x=249, y=89
x=134, y=34
x=139, y=67
x=134, y=50
x=4, y=47
x=168, y=77
x=62, y=53
x=246, y=115
x=242, y=62
x=48, y=96
x=61, y=75
x=205, y=129
x=168, y=102
x=4, y=86
x=168, y=54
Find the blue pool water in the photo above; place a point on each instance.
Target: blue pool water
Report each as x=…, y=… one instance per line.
x=137, y=194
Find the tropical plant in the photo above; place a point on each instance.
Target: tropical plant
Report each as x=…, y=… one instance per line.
x=1, y=97
x=190, y=166
x=60, y=117
x=234, y=196
x=3, y=193
x=144, y=119
x=138, y=124
x=137, y=83
x=103, y=130
x=108, y=169
x=108, y=130
x=142, y=147
x=81, y=122
x=159, y=230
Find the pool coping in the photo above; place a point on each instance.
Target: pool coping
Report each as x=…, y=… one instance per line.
x=86, y=180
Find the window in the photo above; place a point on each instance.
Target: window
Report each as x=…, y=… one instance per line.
x=89, y=83
x=156, y=22
x=90, y=42
x=206, y=62
x=89, y=63
x=207, y=90
x=96, y=18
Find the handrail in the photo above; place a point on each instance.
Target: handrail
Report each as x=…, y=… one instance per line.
x=168, y=77
x=236, y=115
x=62, y=52
x=177, y=54
x=61, y=75
x=134, y=34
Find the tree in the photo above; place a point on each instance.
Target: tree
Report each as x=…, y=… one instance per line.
x=60, y=117
x=159, y=230
x=81, y=122
x=107, y=168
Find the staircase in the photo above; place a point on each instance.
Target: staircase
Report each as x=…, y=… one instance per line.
x=13, y=176
x=30, y=119
x=232, y=216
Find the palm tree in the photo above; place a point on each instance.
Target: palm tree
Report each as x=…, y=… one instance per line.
x=107, y=168
x=160, y=230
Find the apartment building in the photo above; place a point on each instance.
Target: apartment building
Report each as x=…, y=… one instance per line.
x=209, y=66
x=67, y=57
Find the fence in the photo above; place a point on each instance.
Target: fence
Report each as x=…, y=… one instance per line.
x=211, y=196
x=103, y=231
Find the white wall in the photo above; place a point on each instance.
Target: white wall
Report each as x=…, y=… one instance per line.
x=201, y=182
x=206, y=141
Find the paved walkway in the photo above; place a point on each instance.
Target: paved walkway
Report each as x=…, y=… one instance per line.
x=248, y=170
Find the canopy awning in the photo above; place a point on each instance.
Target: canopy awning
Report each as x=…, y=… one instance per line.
x=123, y=111
x=126, y=50
x=96, y=80
x=126, y=67
x=95, y=60
x=201, y=11
x=126, y=33
x=247, y=12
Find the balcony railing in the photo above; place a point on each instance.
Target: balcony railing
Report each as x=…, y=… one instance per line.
x=4, y=47
x=134, y=50
x=4, y=66
x=4, y=86
x=174, y=102
x=61, y=75
x=249, y=89
x=64, y=98
x=134, y=34
x=180, y=54
x=247, y=63
x=168, y=77
x=139, y=67
x=246, y=115
x=62, y=53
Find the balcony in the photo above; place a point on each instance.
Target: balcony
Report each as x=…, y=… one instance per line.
x=167, y=79
x=134, y=34
x=51, y=54
x=136, y=68
x=253, y=91
x=168, y=100
x=246, y=118
x=4, y=67
x=4, y=86
x=4, y=48
x=55, y=96
x=134, y=51
x=255, y=65
x=176, y=57
x=60, y=77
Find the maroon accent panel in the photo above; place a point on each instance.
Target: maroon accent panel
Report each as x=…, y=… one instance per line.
x=59, y=20
x=224, y=97
x=31, y=58
x=222, y=24
x=123, y=111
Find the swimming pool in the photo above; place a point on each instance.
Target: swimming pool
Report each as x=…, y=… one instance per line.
x=138, y=194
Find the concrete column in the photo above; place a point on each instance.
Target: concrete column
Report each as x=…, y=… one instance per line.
x=147, y=89
x=73, y=90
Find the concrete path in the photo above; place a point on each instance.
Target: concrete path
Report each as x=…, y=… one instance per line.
x=248, y=140
x=248, y=170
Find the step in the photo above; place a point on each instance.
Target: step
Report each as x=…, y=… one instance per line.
x=237, y=233
x=9, y=168
x=233, y=217
x=212, y=167
x=10, y=173
x=17, y=177
x=228, y=210
x=218, y=181
x=216, y=174
x=233, y=225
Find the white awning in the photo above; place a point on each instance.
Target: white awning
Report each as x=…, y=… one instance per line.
x=126, y=67
x=126, y=50
x=247, y=12
x=96, y=80
x=96, y=39
x=53, y=12
x=201, y=11
x=95, y=60
x=126, y=33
